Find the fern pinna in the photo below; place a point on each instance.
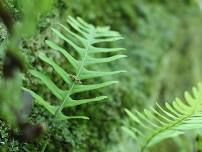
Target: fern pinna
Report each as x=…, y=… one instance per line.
x=83, y=40
x=156, y=124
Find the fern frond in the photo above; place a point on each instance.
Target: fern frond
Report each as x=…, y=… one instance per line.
x=82, y=39
x=154, y=125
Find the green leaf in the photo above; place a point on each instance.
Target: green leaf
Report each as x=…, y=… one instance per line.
x=70, y=42
x=39, y=100
x=82, y=88
x=91, y=60
x=83, y=101
x=49, y=83
x=81, y=38
x=104, y=50
x=94, y=74
x=62, y=73
x=73, y=61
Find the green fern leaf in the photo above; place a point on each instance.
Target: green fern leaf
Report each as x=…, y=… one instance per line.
x=82, y=41
x=156, y=124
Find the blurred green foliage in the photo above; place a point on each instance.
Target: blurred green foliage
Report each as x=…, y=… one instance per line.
x=10, y=102
x=163, y=41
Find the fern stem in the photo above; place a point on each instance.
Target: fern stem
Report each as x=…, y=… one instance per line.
x=89, y=39
x=148, y=140
x=64, y=101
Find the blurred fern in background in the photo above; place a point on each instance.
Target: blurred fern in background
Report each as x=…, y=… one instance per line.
x=157, y=124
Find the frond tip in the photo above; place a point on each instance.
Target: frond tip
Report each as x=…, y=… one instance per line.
x=81, y=38
x=172, y=119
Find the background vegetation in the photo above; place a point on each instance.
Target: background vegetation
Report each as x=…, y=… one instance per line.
x=163, y=41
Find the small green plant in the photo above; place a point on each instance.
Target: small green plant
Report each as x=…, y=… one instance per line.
x=83, y=40
x=156, y=124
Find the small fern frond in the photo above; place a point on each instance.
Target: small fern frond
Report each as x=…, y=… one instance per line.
x=156, y=124
x=82, y=39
